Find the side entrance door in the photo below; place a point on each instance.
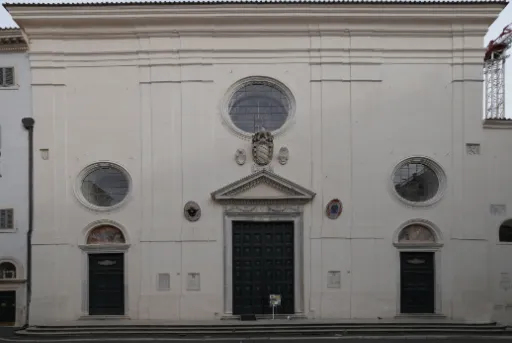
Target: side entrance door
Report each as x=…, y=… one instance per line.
x=7, y=307
x=417, y=282
x=263, y=264
x=106, y=284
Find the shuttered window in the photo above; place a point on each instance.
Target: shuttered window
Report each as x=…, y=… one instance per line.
x=6, y=76
x=6, y=218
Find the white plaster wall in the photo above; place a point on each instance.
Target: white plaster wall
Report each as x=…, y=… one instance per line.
x=157, y=113
x=496, y=154
x=15, y=103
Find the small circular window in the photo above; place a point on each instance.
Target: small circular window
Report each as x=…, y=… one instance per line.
x=418, y=181
x=259, y=104
x=103, y=185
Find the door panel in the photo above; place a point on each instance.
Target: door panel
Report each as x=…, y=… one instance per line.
x=417, y=282
x=106, y=284
x=7, y=307
x=263, y=264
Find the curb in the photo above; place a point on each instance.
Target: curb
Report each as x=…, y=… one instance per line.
x=242, y=339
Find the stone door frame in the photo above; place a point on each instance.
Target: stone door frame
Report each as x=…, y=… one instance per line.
x=262, y=213
x=279, y=199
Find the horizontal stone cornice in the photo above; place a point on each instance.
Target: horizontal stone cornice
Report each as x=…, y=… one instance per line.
x=12, y=40
x=31, y=18
x=13, y=48
x=176, y=31
x=205, y=57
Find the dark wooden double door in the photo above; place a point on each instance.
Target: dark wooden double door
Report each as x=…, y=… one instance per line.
x=7, y=307
x=417, y=282
x=106, y=284
x=263, y=264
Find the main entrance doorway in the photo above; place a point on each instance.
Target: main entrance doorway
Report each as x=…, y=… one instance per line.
x=106, y=284
x=7, y=307
x=263, y=264
x=417, y=282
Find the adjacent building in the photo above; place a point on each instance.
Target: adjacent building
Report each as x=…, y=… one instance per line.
x=193, y=159
x=15, y=104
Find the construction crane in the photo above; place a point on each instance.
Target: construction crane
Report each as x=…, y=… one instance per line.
x=494, y=72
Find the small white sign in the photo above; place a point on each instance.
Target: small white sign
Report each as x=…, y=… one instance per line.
x=275, y=300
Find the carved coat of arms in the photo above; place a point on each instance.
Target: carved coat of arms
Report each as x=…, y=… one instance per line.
x=262, y=147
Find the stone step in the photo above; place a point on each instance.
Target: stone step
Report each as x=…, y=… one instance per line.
x=266, y=328
x=298, y=330
x=270, y=323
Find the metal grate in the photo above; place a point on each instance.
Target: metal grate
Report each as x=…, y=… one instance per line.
x=416, y=181
x=259, y=106
x=105, y=186
x=6, y=76
x=7, y=218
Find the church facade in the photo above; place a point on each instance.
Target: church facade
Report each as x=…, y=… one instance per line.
x=201, y=159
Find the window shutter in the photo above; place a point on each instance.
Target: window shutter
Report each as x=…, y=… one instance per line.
x=7, y=218
x=6, y=77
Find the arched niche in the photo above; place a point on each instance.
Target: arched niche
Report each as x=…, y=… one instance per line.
x=8, y=271
x=105, y=234
x=417, y=232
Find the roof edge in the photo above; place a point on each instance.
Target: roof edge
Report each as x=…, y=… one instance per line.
x=83, y=20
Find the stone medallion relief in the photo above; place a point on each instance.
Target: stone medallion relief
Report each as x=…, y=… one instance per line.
x=283, y=155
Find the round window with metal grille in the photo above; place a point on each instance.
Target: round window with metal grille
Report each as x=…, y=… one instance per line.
x=103, y=186
x=418, y=181
x=257, y=104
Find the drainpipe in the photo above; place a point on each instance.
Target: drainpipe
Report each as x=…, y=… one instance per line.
x=28, y=124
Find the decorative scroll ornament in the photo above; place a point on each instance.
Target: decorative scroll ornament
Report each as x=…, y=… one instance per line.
x=262, y=147
x=240, y=157
x=192, y=211
x=333, y=209
x=283, y=155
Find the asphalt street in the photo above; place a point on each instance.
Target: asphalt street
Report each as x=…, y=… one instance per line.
x=90, y=339
x=281, y=340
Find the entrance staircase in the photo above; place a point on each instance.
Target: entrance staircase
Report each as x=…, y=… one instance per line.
x=267, y=328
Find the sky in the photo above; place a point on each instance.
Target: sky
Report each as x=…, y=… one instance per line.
x=495, y=29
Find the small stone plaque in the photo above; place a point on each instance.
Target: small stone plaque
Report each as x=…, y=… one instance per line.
x=505, y=281
x=164, y=281
x=334, y=279
x=193, y=282
x=473, y=149
x=498, y=209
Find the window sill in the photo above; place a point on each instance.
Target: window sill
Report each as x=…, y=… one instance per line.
x=8, y=230
x=497, y=124
x=11, y=281
x=10, y=88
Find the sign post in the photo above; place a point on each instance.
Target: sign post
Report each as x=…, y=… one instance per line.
x=275, y=300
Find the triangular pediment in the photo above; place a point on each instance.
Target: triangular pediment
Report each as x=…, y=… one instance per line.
x=263, y=185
